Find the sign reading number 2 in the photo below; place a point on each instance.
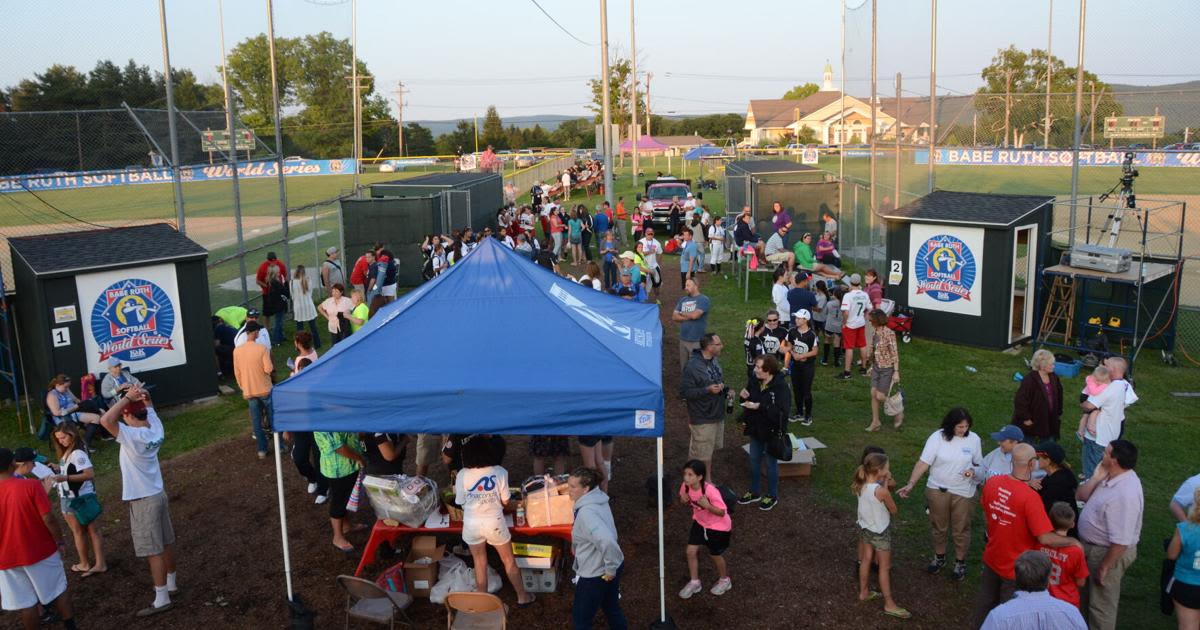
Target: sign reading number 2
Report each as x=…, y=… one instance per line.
x=61, y=336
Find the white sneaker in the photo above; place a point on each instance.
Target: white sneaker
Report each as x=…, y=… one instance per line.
x=321, y=499
x=796, y=418
x=312, y=487
x=691, y=588
x=608, y=470
x=722, y=586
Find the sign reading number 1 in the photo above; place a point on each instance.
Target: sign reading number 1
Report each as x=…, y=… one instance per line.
x=61, y=336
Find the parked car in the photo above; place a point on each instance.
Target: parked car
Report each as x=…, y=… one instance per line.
x=661, y=192
x=525, y=158
x=1138, y=146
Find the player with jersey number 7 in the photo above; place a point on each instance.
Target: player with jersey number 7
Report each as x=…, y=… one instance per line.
x=855, y=306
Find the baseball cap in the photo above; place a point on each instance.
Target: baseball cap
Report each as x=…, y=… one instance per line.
x=855, y=280
x=253, y=312
x=1052, y=451
x=801, y=276
x=113, y=362
x=802, y=313
x=330, y=250
x=628, y=255
x=23, y=455
x=1009, y=432
x=253, y=327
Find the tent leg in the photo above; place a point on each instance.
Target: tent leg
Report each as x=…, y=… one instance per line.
x=283, y=530
x=662, y=573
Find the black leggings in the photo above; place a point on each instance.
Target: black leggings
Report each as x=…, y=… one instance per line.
x=339, y=493
x=802, y=380
x=302, y=450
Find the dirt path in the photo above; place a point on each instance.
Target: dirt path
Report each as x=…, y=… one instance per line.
x=791, y=567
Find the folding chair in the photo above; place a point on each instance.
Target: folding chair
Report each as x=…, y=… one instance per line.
x=475, y=611
x=366, y=600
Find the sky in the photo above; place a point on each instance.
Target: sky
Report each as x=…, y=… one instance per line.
x=456, y=57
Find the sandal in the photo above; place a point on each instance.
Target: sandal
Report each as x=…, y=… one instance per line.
x=80, y=568
x=870, y=596
x=899, y=613
x=532, y=598
x=346, y=550
x=874, y=429
x=90, y=572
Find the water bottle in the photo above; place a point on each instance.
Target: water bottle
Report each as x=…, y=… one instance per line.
x=520, y=518
x=971, y=369
x=729, y=401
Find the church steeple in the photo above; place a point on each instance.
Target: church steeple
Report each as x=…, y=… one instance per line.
x=827, y=78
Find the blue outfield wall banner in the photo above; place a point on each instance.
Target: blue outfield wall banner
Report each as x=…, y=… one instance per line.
x=1052, y=157
x=96, y=179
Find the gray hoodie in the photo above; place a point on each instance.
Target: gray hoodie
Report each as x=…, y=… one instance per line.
x=594, y=537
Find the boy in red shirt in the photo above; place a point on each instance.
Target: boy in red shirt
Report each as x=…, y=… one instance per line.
x=1069, y=571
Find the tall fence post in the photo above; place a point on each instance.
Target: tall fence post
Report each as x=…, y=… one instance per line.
x=283, y=209
x=171, y=130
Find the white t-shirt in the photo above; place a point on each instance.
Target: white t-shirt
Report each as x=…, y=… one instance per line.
x=482, y=492
x=779, y=297
x=647, y=208
x=873, y=515
x=80, y=460
x=856, y=304
x=1112, y=402
x=264, y=338
x=650, y=251
x=140, y=474
x=1187, y=492
x=948, y=460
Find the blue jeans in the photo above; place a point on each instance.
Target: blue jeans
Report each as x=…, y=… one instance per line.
x=758, y=451
x=594, y=594
x=610, y=274
x=1092, y=454
x=260, y=407
x=277, y=328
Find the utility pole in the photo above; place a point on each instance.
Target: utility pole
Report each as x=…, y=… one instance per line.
x=633, y=98
x=896, y=129
x=649, y=75
x=357, y=94
x=874, y=97
x=932, y=96
x=605, y=97
x=1078, y=123
x=231, y=156
x=283, y=207
x=174, y=136
x=400, y=118
x=1049, y=74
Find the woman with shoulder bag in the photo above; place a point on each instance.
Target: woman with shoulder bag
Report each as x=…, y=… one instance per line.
x=766, y=401
x=77, y=497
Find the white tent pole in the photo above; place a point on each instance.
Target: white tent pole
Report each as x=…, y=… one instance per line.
x=283, y=530
x=662, y=558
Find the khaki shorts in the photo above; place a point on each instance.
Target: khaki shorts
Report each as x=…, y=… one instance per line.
x=881, y=541
x=705, y=439
x=150, y=523
x=429, y=448
x=778, y=258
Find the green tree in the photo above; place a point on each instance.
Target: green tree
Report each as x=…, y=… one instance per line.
x=58, y=88
x=619, y=99
x=493, y=130
x=514, y=138
x=536, y=136
x=806, y=135
x=192, y=95
x=574, y=134
x=461, y=140
x=249, y=65
x=801, y=91
x=1015, y=82
x=418, y=140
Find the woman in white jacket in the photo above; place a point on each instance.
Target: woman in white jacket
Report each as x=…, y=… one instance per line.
x=303, y=309
x=599, y=562
x=716, y=246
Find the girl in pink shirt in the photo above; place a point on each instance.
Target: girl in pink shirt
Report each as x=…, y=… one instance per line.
x=711, y=527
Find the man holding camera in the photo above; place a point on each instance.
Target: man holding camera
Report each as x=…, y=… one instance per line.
x=139, y=431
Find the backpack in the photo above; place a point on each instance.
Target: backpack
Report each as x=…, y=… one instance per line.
x=728, y=496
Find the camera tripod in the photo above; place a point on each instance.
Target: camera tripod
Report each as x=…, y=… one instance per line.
x=1126, y=198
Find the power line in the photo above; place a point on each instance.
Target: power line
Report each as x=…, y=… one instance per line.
x=560, y=26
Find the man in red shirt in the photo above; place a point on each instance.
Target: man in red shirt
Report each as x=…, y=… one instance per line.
x=261, y=277
x=31, y=569
x=358, y=275
x=1016, y=522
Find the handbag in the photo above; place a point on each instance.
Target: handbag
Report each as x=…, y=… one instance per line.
x=779, y=446
x=894, y=405
x=87, y=508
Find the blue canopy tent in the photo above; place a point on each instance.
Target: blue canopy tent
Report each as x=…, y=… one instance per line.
x=702, y=152
x=438, y=361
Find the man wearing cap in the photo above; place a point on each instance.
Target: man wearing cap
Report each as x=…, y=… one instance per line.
x=31, y=466
x=800, y=359
x=1016, y=523
x=691, y=313
x=264, y=336
x=331, y=270
x=31, y=567
x=799, y=296
x=117, y=380
x=650, y=251
x=855, y=306
x=253, y=370
x=628, y=289
x=690, y=259
x=629, y=265
x=140, y=433
x=261, y=276
x=1110, y=526
x=999, y=461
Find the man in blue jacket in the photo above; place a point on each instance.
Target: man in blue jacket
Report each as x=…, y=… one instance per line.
x=599, y=562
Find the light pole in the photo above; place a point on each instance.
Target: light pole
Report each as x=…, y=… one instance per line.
x=633, y=99
x=606, y=116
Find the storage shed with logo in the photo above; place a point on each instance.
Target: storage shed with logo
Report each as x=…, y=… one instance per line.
x=137, y=294
x=968, y=264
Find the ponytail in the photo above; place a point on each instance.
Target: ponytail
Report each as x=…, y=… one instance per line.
x=872, y=464
x=860, y=480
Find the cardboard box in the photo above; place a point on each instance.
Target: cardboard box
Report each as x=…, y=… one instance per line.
x=803, y=457
x=530, y=549
x=551, y=506
x=420, y=578
x=540, y=580
x=538, y=562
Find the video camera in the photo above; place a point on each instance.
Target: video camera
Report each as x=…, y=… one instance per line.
x=1128, y=172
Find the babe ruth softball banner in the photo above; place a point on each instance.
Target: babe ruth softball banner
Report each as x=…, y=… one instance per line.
x=133, y=315
x=946, y=268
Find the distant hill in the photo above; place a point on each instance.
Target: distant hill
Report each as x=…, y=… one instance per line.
x=1179, y=102
x=549, y=122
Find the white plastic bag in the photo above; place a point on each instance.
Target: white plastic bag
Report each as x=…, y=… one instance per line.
x=455, y=576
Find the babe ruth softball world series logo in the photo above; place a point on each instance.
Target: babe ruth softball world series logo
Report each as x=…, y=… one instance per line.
x=132, y=320
x=945, y=268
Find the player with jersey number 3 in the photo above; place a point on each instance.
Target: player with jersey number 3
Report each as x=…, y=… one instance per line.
x=855, y=305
